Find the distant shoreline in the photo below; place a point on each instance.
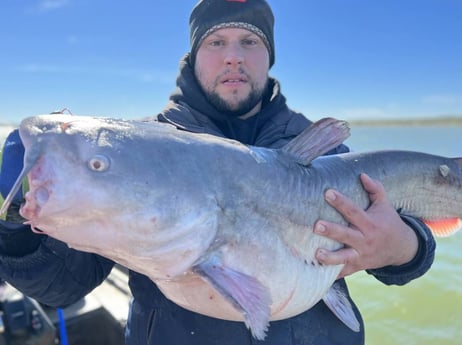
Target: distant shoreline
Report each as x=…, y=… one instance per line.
x=432, y=121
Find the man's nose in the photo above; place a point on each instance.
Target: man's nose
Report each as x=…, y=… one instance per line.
x=234, y=54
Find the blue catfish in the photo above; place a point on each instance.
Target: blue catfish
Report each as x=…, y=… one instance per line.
x=224, y=229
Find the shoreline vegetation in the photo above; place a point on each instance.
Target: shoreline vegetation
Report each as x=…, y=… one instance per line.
x=453, y=120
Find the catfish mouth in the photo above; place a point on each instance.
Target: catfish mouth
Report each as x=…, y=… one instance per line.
x=35, y=201
x=41, y=209
x=39, y=193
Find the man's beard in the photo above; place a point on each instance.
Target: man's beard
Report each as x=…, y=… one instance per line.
x=242, y=108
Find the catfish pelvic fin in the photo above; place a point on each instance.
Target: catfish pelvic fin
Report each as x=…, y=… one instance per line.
x=339, y=304
x=245, y=292
x=319, y=138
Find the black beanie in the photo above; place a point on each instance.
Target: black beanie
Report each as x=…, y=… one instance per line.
x=211, y=15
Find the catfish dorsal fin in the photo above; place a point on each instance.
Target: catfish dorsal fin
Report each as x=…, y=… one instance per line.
x=319, y=138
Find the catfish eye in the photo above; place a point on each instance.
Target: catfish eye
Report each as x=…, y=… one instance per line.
x=99, y=163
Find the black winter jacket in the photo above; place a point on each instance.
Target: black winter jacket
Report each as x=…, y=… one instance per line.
x=57, y=275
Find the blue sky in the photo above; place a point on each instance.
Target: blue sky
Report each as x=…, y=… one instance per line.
x=344, y=58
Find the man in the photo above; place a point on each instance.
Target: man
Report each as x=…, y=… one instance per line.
x=223, y=89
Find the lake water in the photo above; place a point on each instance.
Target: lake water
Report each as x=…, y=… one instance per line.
x=428, y=311
x=4, y=131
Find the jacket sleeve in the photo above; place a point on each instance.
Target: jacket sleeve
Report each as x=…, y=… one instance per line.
x=400, y=275
x=50, y=271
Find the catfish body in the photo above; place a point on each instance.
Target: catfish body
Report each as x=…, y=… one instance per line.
x=224, y=229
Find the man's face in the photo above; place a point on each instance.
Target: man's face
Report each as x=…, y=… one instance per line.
x=232, y=68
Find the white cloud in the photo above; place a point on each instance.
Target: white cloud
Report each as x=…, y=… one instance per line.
x=144, y=76
x=72, y=39
x=443, y=99
x=47, y=5
x=39, y=68
x=138, y=75
x=44, y=6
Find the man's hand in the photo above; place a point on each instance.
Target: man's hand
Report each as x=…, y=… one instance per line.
x=374, y=238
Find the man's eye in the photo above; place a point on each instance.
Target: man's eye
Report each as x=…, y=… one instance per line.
x=216, y=43
x=249, y=42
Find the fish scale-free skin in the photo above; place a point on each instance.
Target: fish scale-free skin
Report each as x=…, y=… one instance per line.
x=168, y=203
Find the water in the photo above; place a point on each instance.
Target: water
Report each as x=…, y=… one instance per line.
x=427, y=311
x=4, y=131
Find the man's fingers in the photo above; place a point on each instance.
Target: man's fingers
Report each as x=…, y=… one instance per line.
x=346, y=256
x=338, y=257
x=349, y=210
x=373, y=187
x=338, y=232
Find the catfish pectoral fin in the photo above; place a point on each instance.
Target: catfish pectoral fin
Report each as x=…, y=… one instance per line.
x=245, y=293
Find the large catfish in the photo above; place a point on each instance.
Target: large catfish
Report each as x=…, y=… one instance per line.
x=223, y=229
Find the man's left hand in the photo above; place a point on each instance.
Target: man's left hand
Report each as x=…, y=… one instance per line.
x=375, y=237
